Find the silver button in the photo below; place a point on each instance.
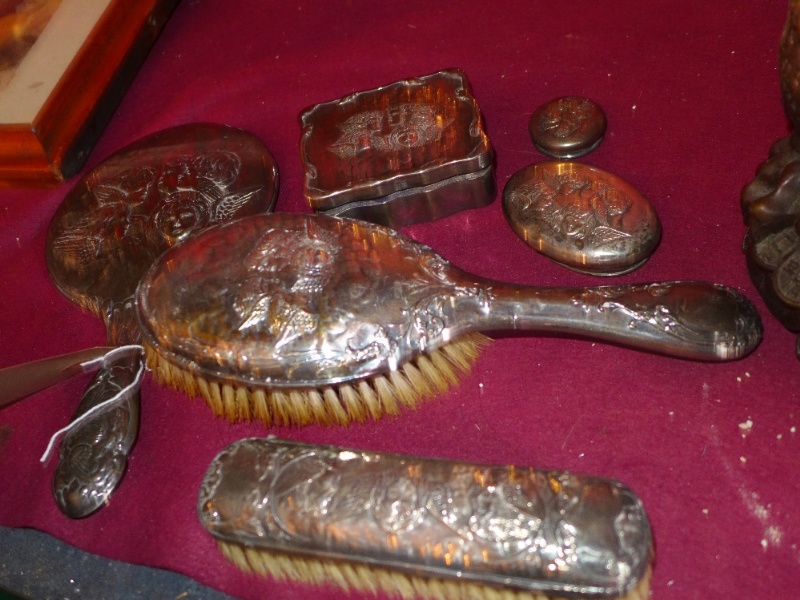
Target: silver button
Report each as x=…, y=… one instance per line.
x=568, y=127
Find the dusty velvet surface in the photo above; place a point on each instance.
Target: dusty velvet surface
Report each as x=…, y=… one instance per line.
x=691, y=94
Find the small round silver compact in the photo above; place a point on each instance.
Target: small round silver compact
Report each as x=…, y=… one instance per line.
x=582, y=217
x=568, y=127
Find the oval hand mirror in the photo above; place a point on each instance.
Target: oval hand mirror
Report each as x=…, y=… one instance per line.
x=110, y=228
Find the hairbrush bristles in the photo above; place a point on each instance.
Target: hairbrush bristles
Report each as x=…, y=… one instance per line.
x=367, y=579
x=388, y=394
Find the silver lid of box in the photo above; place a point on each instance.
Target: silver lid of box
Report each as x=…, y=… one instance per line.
x=375, y=143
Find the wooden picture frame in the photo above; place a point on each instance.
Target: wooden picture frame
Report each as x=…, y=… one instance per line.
x=66, y=66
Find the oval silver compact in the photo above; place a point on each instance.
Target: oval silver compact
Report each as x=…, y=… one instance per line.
x=582, y=217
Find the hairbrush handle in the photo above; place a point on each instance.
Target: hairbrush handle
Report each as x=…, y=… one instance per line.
x=512, y=527
x=19, y=381
x=696, y=320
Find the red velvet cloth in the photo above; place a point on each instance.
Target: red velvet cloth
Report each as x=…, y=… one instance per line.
x=691, y=93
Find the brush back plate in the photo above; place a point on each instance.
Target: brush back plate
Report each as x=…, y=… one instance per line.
x=299, y=300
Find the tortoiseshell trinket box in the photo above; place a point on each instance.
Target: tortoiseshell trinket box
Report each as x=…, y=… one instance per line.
x=412, y=151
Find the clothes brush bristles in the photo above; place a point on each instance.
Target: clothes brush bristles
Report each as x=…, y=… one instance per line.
x=386, y=394
x=372, y=580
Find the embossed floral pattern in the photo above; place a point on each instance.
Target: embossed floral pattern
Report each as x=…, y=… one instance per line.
x=526, y=528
